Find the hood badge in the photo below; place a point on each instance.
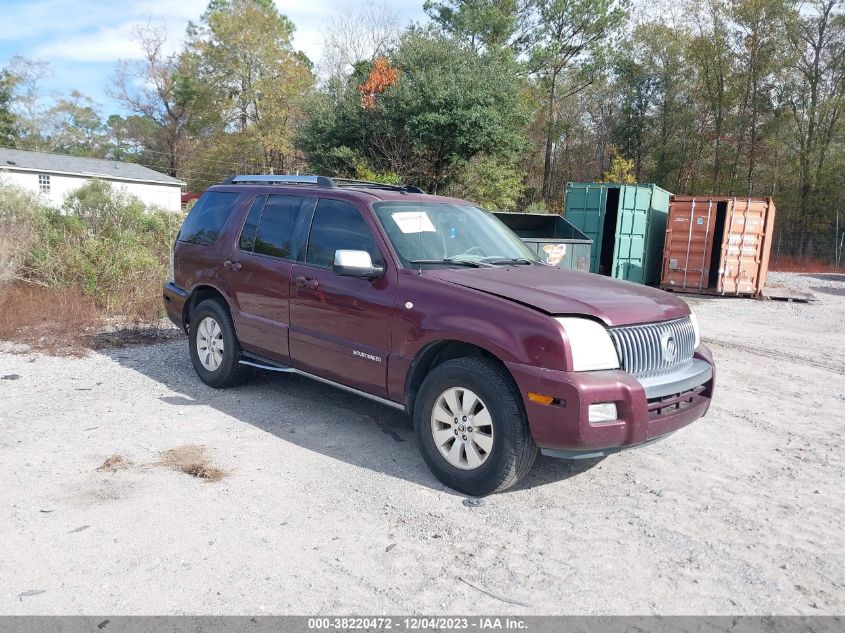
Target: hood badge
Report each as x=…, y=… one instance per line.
x=670, y=347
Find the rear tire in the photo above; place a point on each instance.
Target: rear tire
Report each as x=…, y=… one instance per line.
x=472, y=428
x=215, y=351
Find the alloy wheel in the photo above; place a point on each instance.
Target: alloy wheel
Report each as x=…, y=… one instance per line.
x=462, y=428
x=210, y=344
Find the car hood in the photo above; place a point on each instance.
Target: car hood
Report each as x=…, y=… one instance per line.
x=567, y=292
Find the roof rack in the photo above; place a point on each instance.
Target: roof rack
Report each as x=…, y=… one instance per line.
x=278, y=179
x=320, y=181
x=349, y=182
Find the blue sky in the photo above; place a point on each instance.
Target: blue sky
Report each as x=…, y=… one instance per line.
x=84, y=39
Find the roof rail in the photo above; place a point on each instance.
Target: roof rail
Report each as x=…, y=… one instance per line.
x=320, y=181
x=279, y=179
x=350, y=182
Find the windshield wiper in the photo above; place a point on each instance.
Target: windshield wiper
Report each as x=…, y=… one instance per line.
x=457, y=262
x=509, y=260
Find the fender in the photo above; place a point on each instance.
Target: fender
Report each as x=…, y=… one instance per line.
x=199, y=287
x=440, y=310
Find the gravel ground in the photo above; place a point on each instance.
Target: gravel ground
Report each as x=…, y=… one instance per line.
x=327, y=507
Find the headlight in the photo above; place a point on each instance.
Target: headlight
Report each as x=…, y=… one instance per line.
x=694, y=320
x=590, y=344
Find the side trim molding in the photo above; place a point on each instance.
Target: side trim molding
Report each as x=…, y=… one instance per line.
x=270, y=366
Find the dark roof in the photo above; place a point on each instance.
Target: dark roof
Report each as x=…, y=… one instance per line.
x=323, y=185
x=96, y=167
x=356, y=192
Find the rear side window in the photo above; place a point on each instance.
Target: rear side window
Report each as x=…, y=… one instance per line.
x=247, y=239
x=274, y=236
x=206, y=219
x=338, y=225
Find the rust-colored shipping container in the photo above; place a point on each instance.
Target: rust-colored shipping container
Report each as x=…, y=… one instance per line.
x=718, y=245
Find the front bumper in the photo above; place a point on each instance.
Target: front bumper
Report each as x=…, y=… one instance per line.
x=174, y=299
x=647, y=409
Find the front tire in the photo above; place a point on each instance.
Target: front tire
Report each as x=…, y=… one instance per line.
x=215, y=351
x=472, y=428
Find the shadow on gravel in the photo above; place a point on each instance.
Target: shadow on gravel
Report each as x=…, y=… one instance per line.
x=828, y=290
x=549, y=469
x=837, y=291
x=311, y=415
x=840, y=277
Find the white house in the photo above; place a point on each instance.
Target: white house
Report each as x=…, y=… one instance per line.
x=53, y=176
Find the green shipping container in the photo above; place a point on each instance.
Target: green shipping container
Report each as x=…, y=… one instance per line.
x=627, y=224
x=554, y=239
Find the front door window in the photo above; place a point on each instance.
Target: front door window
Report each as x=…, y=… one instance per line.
x=338, y=225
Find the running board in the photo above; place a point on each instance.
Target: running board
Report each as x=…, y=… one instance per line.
x=262, y=363
x=282, y=368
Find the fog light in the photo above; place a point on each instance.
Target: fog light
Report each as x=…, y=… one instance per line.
x=603, y=412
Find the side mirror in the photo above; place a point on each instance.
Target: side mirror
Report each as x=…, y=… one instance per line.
x=356, y=264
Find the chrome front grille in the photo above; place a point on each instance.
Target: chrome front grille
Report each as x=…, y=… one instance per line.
x=647, y=350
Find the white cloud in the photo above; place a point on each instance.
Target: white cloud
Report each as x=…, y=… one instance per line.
x=90, y=31
x=24, y=20
x=103, y=45
x=184, y=9
x=83, y=39
x=311, y=18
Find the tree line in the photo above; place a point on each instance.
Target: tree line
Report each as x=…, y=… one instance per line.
x=499, y=101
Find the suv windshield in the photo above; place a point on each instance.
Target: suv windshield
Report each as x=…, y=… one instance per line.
x=451, y=234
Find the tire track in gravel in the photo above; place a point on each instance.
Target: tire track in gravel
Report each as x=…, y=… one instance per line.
x=773, y=354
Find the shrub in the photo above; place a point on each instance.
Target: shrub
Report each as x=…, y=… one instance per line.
x=364, y=172
x=621, y=169
x=19, y=211
x=102, y=242
x=538, y=206
x=491, y=183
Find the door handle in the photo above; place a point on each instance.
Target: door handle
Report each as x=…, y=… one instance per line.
x=231, y=265
x=307, y=282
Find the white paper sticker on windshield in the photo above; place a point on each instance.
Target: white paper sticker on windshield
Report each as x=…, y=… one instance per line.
x=413, y=222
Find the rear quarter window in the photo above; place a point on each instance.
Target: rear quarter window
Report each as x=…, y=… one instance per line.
x=278, y=222
x=206, y=219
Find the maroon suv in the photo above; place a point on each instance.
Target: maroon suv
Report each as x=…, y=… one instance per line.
x=431, y=305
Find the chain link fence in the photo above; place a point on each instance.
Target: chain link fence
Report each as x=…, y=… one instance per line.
x=794, y=249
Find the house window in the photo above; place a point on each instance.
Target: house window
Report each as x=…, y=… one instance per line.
x=44, y=183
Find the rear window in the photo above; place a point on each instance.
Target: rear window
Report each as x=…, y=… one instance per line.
x=206, y=219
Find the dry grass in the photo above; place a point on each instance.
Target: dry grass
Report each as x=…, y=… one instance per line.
x=794, y=265
x=15, y=242
x=51, y=320
x=114, y=463
x=191, y=460
x=65, y=322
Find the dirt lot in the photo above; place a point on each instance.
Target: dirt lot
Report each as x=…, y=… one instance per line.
x=325, y=505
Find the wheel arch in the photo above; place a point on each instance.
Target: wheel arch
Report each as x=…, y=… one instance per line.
x=198, y=295
x=437, y=353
